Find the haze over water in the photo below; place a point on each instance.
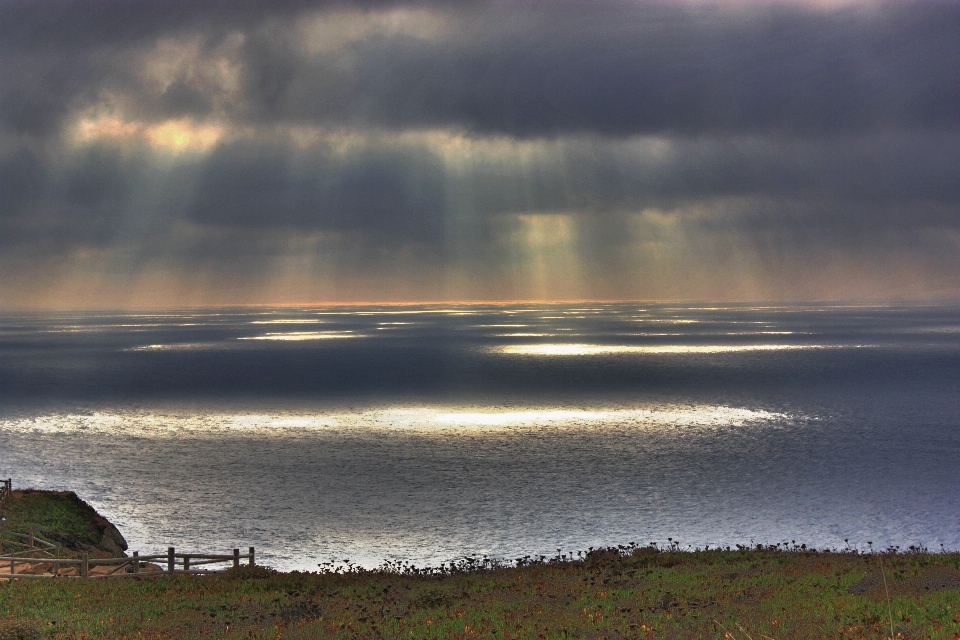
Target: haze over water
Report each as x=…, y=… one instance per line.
x=428, y=432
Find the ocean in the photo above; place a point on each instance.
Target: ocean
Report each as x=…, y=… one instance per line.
x=426, y=433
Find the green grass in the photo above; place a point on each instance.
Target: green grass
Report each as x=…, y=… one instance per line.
x=57, y=516
x=647, y=593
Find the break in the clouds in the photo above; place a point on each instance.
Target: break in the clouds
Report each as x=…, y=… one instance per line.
x=165, y=153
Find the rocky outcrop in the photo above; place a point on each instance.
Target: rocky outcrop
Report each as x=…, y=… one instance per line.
x=111, y=540
x=63, y=518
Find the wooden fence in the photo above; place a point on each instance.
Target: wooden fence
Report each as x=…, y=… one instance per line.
x=42, y=558
x=43, y=564
x=29, y=545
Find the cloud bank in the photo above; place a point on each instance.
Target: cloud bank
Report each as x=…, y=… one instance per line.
x=174, y=153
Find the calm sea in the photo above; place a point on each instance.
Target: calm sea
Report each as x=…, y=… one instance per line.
x=427, y=433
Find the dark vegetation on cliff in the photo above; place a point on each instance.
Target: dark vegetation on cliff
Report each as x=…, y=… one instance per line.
x=63, y=518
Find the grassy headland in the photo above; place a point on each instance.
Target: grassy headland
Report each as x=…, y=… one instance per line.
x=63, y=518
x=625, y=593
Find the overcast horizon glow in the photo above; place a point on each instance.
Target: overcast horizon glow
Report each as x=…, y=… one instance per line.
x=301, y=152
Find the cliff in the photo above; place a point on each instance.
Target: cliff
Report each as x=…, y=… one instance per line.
x=63, y=518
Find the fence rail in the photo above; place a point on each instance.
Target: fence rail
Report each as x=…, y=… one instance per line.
x=31, y=544
x=169, y=563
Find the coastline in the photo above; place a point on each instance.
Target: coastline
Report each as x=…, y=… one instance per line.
x=619, y=592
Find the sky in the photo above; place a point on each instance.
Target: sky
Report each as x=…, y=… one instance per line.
x=181, y=153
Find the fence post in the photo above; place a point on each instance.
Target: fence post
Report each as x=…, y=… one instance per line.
x=136, y=562
x=56, y=565
x=170, y=559
x=84, y=564
x=251, y=556
x=186, y=562
x=236, y=558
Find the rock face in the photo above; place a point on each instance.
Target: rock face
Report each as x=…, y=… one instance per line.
x=107, y=539
x=111, y=540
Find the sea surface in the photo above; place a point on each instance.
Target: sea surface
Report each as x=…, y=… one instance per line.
x=428, y=433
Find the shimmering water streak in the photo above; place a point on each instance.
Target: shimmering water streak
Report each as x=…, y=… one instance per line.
x=298, y=336
x=288, y=321
x=573, y=349
x=421, y=420
x=177, y=346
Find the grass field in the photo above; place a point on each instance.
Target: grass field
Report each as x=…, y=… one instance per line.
x=624, y=593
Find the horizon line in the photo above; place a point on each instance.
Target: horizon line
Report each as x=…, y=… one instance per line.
x=946, y=301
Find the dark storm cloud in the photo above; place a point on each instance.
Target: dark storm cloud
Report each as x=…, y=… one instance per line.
x=793, y=194
x=783, y=128
x=38, y=91
x=596, y=176
x=61, y=55
x=396, y=195
x=51, y=204
x=609, y=67
x=32, y=24
x=625, y=69
x=405, y=194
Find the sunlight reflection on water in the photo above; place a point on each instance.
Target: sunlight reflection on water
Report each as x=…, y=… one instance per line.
x=566, y=349
x=408, y=419
x=298, y=336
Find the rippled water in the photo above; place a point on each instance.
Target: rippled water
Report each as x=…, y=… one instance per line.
x=427, y=433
